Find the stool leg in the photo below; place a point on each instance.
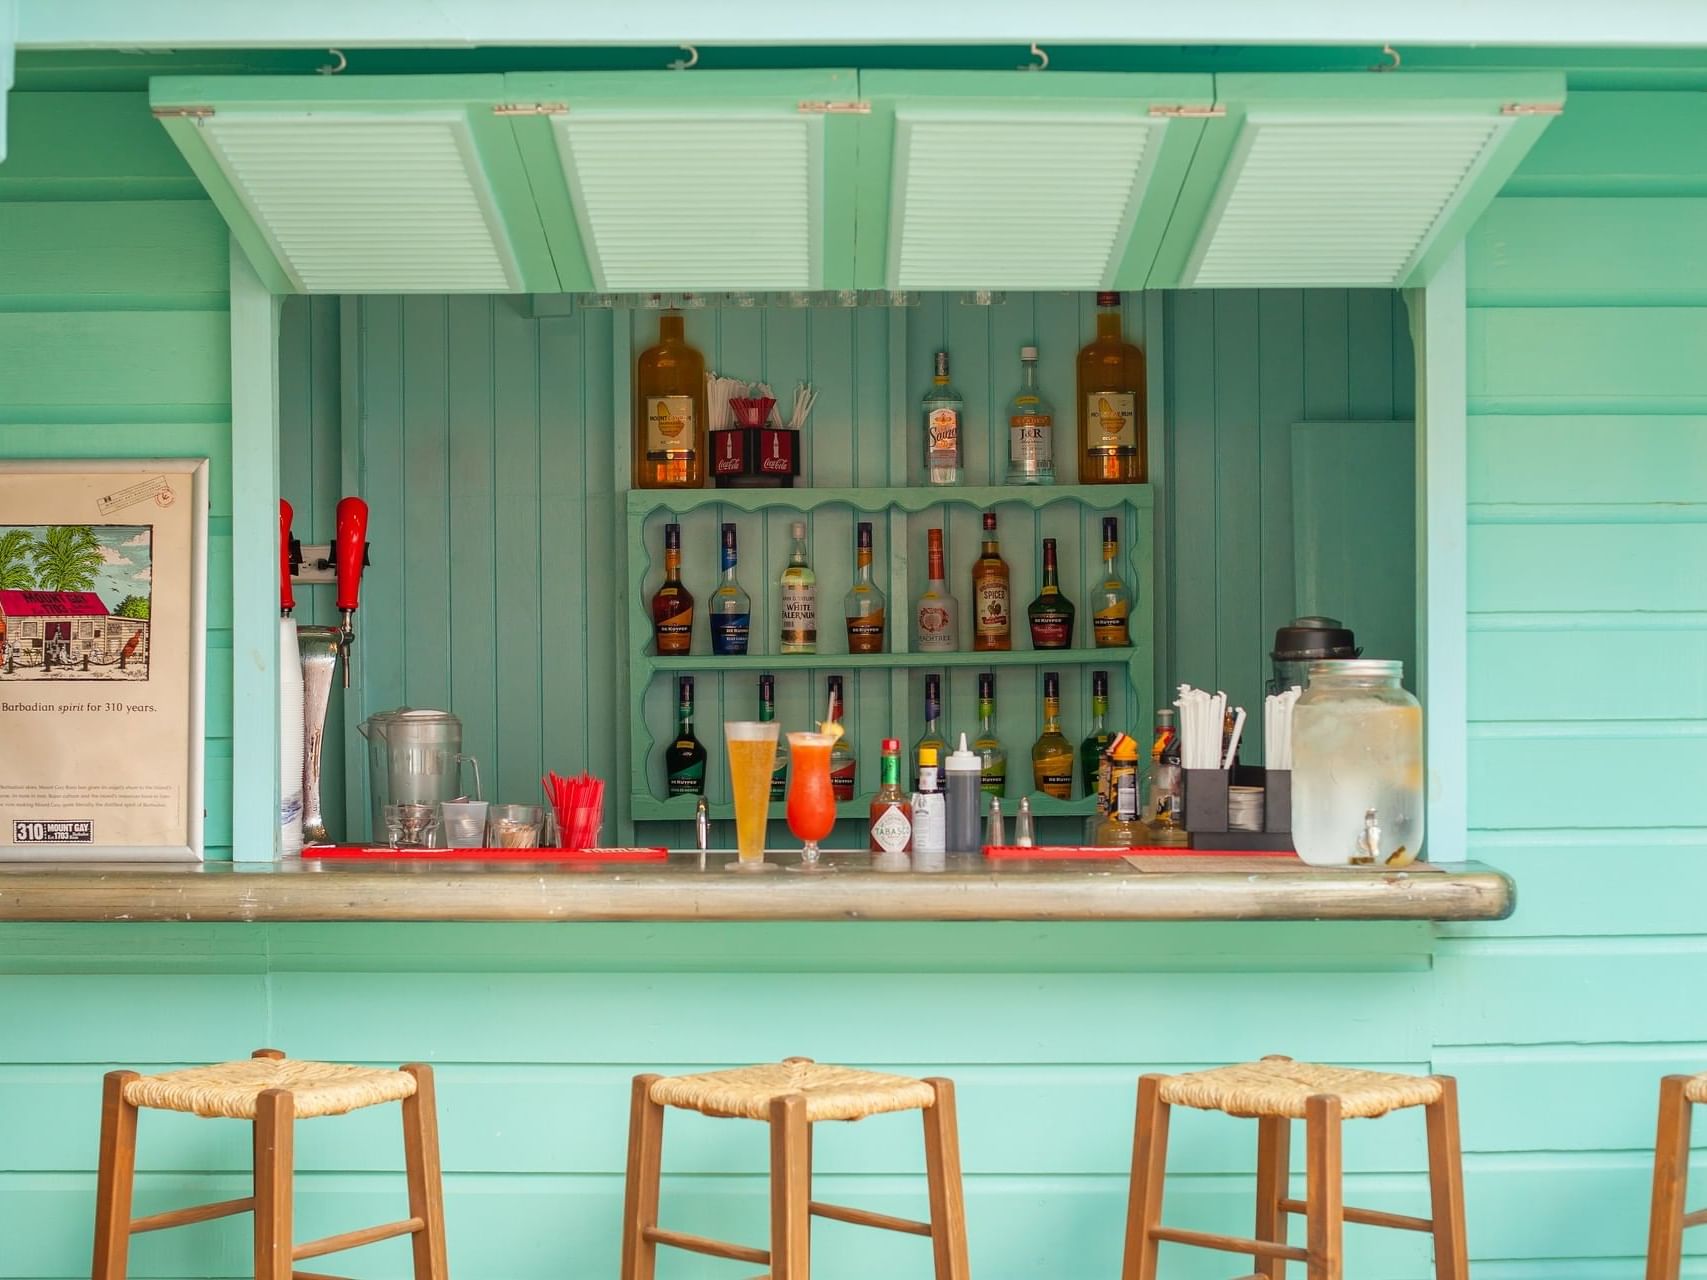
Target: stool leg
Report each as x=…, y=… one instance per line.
x=1149, y=1173
x=116, y=1178
x=275, y=1113
x=942, y=1176
x=1274, y=1174
x=645, y=1169
x=791, y=1189
x=1671, y=1180
x=426, y=1183
x=1446, y=1185
x=1326, y=1188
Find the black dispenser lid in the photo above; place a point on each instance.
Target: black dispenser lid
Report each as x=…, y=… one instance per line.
x=1314, y=637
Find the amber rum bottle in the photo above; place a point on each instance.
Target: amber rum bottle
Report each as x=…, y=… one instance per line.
x=669, y=412
x=992, y=614
x=1113, y=431
x=672, y=603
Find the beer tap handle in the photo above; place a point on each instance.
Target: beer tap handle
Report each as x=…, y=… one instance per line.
x=350, y=554
x=287, y=597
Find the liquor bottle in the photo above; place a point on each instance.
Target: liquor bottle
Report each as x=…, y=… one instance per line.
x=1121, y=828
x=1051, y=614
x=864, y=608
x=1052, y=754
x=684, y=759
x=842, y=760
x=1096, y=741
x=992, y=755
x=767, y=713
x=932, y=738
x=1113, y=428
x=670, y=441
x=937, y=618
x=944, y=412
x=731, y=609
x=799, y=598
x=930, y=808
x=891, y=811
x=672, y=604
x=1112, y=602
x=992, y=626
x=1164, y=806
x=1031, y=428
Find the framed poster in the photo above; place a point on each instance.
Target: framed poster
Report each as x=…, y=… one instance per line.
x=103, y=638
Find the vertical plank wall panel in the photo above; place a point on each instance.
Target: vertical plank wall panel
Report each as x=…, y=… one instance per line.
x=1587, y=636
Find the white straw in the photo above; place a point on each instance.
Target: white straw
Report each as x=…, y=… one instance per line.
x=1233, y=742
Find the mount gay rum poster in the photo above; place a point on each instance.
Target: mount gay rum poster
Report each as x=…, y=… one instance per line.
x=102, y=646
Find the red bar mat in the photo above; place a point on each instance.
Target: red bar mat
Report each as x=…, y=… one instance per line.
x=1064, y=852
x=381, y=853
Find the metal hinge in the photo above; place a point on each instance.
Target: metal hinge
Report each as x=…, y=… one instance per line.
x=835, y=108
x=178, y=113
x=531, y=109
x=1533, y=109
x=1189, y=113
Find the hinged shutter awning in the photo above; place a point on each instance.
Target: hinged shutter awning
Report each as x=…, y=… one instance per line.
x=696, y=180
x=1347, y=181
x=1056, y=180
x=364, y=184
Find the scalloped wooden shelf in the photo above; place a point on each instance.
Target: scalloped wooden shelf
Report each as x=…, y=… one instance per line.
x=1097, y=497
x=883, y=661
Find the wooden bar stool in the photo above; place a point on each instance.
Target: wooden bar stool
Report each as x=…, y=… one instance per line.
x=272, y=1091
x=1668, y=1219
x=792, y=1096
x=1275, y=1092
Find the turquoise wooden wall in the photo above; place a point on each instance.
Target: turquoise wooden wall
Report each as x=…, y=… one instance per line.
x=1587, y=464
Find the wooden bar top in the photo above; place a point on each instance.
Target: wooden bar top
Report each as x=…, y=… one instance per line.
x=694, y=886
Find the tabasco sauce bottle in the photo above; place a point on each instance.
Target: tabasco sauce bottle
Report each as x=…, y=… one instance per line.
x=670, y=432
x=672, y=604
x=891, y=811
x=1113, y=431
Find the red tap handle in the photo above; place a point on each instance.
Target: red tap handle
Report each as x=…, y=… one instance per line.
x=287, y=598
x=351, y=550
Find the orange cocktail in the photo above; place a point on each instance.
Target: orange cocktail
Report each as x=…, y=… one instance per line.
x=811, y=801
x=751, y=746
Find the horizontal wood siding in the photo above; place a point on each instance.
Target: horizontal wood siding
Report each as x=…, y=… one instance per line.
x=114, y=329
x=1588, y=684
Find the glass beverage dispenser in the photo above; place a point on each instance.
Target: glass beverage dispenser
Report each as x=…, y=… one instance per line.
x=414, y=757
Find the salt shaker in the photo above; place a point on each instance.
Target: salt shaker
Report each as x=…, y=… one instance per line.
x=1025, y=834
x=995, y=831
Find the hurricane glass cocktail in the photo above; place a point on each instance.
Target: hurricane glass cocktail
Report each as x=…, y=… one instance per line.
x=751, y=746
x=811, y=801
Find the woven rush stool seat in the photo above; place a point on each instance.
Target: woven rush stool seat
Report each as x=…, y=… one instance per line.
x=1275, y=1092
x=1281, y=1087
x=1695, y=1088
x=230, y=1089
x=271, y=1092
x=791, y=1096
x=831, y=1093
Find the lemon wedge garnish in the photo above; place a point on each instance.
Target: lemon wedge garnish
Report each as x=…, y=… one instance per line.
x=831, y=728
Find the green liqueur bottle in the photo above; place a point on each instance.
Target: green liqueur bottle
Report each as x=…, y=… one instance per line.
x=1097, y=740
x=767, y=713
x=684, y=759
x=993, y=756
x=932, y=736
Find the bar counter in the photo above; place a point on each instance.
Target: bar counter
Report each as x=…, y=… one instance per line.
x=694, y=886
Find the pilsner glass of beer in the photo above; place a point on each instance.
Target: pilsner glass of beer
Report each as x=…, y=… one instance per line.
x=751, y=746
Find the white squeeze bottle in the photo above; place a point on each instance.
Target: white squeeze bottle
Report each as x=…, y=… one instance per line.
x=964, y=769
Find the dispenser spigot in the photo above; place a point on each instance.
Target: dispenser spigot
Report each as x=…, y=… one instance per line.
x=349, y=555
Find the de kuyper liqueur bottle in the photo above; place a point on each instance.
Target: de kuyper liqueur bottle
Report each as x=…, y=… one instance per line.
x=684, y=759
x=992, y=755
x=1052, y=754
x=730, y=608
x=932, y=737
x=864, y=607
x=799, y=598
x=1096, y=741
x=1031, y=428
x=1111, y=604
x=767, y=713
x=670, y=441
x=1113, y=435
x=1051, y=614
x=992, y=611
x=672, y=603
x=842, y=759
x=943, y=411
x=936, y=626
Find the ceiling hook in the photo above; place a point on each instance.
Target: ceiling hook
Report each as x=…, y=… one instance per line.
x=333, y=68
x=1042, y=59
x=1388, y=51
x=692, y=60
